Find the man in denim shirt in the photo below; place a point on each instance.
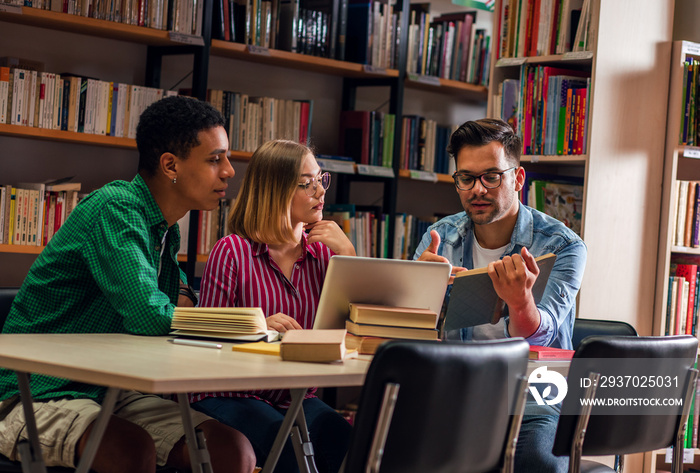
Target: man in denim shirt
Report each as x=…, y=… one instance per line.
x=497, y=231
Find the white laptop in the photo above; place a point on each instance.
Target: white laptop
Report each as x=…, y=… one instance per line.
x=391, y=282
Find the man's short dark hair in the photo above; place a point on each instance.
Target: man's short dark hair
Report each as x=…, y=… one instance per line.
x=172, y=124
x=482, y=132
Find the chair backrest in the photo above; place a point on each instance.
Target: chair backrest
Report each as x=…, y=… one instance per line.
x=631, y=429
x=453, y=406
x=586, y=327
x=7, y=295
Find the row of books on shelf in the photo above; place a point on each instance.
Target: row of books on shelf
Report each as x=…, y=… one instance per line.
x=72, y=103
x=313, y=27
x=31, y=213
x=689, y=130
x=558, y=196
x=368, y=230
x=543, y=27
x=549, y=108
x=449, y=46
x=182, y=16
x=211, y=227
x=424, y=145
x=252, y=121
x=683, y=298
x=367, y=137
x=362, y=31
x=366, y=227
x=686, y=216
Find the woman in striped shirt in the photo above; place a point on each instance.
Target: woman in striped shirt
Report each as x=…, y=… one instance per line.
x=276, y=258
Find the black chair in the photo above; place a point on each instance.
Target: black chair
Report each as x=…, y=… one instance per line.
x=7, y=295
x=625, y=367
x=586, y=327
x=440, y=407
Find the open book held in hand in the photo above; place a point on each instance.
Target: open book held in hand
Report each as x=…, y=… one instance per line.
x=473, y=299
x=222, y=323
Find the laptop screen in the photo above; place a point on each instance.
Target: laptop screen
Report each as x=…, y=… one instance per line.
x=390, y=282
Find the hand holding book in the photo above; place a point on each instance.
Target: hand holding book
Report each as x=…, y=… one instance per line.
x=513, y=279
x=474, y=299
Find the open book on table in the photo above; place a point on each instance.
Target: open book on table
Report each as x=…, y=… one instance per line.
x=222, y=323
x=473, y=299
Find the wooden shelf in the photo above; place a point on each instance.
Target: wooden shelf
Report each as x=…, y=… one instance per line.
x=478, y=93
x=200, y=258
x=444, y=178
x=685, y=250
x=286, y=59
x=89, y=26
x=87, y=138
x=583, y=58
x=66, y=136
x=21, y=249
x=573, y=159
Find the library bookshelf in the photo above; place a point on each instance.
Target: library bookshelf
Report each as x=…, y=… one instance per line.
x=627, y=62
x=681, y=163
x=148, y=38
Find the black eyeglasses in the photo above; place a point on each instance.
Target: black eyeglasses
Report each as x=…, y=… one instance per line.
x=311, y=186
x=490, y=180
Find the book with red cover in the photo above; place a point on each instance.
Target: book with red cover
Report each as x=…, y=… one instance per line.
x=549, y=353
x=355, y=135
x=689, y=272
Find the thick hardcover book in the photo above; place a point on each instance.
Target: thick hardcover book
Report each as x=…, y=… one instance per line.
x=359, y=32
x=689, y=272
x=364, y=345
x=387, y=331
x=287, y=31
x=393, y=316
x=232, y=323
x=473, y=299
x=549, y=353
x=321, y=346
x=355, y=135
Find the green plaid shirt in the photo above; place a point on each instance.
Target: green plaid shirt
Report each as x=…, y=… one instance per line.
x=101, y=273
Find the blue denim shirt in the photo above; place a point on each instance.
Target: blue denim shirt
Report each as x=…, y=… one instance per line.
x=540, y=234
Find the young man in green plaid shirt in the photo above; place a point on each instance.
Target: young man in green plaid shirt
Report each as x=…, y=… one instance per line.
x=112, y=268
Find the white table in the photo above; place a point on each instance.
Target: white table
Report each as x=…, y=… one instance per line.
x=154, y=365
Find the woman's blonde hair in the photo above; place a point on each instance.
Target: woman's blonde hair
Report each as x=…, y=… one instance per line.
x=262, y=209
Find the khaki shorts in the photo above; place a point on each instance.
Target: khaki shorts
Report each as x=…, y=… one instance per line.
x=62, y=422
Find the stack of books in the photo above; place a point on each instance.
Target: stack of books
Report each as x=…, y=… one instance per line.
x=369, y=325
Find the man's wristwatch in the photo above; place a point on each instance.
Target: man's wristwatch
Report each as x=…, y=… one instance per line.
x=189, y=293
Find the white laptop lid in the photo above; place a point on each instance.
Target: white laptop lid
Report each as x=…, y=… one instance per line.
x=392, y=282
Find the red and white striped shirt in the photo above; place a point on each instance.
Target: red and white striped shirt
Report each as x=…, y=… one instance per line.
x=240, y=273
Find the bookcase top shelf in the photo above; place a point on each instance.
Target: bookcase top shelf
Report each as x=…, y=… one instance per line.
x=89, y=26
x=85, y=138
x=472, y=92
x=66, y=136
x=563, y=160
x=275, y=57
x=582, y=58
x=23, y=249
